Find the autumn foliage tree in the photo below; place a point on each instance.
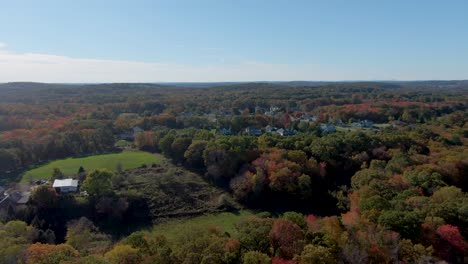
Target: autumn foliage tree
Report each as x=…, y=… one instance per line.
x=123, y=254
x=50, y=254
x=286, y=238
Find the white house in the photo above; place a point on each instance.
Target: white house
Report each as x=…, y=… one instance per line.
x=66, y=185
x=327, y=128
x=286, y=132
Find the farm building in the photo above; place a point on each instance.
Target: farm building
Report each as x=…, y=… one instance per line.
x=66, y=185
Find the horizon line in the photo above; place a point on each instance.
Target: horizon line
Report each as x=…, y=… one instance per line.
x=263, y=81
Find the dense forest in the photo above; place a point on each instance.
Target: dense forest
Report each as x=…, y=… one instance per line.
x=353, y=172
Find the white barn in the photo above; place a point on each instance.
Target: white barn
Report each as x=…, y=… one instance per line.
x=66, y=185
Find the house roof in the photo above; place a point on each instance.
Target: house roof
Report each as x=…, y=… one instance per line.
x=65, y=183
x=4, y=198
x=24, y=198
x=137, y=129
x=20, y=197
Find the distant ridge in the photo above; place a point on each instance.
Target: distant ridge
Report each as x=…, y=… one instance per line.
x=391, y=83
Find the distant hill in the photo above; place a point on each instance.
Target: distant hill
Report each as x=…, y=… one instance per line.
x=382, y=84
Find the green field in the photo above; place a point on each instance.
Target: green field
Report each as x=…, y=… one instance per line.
x=123, y=144
x=70, y=166
x=226, y=221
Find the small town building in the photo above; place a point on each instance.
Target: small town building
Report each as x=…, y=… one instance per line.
x=129, y=135
x=137, y=129
x=66, y=185
x=3, y=198
x=253, y=131
x=286, y=132
x=270, y=129
x=328, y=128
x=363, y=123
x=13, y=198
x=20, y=198
x=295, y=109
x=259, y=109
x=226, y=131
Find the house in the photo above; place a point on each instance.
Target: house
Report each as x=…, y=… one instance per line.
x=367, y=123
x=307, y=118
x=127, y=135
x=270, y=129
x=14, y=198
x=253, y=131
x=225, y=131
x=273, y=111
x=20, y=198
x=364, y=123
x=259, y=109
x=295, y=109
x=3, y=198
x=327, y=128
x=136, y=130
x=5, y=201
x=186, y=114
x=286, y=132
x=66, y=185
x=211, y=117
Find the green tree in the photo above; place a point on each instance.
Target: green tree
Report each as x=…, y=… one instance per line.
x=155, y=248
x=178, y=147
x=404, y=222
x=255, y=257
x=123, y=254
x=45, y=197
x=57, y=174
x=298, y=156
x=315, y=254
x=50, y=254
x=165, y=144
x=194, y=153
x=413, y=253
x=253, y=233
x=297, y=218
x=98, y=182
x=15, y=236
x=85, y=237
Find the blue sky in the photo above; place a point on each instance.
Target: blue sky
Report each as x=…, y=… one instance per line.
x=198, y=40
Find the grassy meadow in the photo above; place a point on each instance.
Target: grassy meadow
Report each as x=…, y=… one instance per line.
x=70, y=166
x=226, y=221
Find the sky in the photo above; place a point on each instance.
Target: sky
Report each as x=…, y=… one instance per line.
x=85, y=41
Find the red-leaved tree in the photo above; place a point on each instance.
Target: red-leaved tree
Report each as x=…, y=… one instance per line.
x=286, y=238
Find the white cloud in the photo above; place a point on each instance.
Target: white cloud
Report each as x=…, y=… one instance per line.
x=52, y=68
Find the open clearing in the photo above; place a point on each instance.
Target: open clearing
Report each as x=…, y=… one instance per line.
x=70, y=166
x=171, y=192
x=225, y=220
